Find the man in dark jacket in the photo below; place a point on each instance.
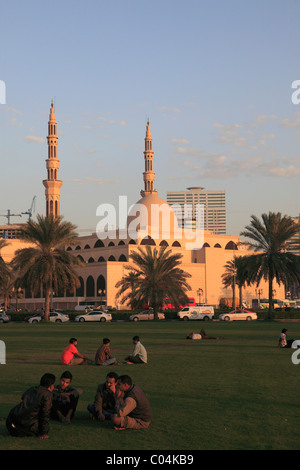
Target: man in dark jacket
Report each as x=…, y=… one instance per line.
x=65, y=399
x=134, y=412
x=31, y=416
x=104, y=405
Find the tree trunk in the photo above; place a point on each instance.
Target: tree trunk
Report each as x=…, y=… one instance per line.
x=47, y=305
x=241, y=296
x=270, y=310
x=233, y=296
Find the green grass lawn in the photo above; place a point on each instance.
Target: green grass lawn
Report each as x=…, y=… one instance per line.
x=237, y=393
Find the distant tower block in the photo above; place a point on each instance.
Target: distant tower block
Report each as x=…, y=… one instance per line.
x=148, y=175
x=52, y=184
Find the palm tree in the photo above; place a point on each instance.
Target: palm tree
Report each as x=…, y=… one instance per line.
x=154, y=277
x=4, y=273
x=46, y=267
x=271, y=238
x=229, y=279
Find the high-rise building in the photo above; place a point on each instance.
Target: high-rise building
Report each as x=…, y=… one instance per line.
x=213, y=202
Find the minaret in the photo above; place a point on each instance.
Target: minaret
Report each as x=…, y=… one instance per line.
x=148, y=175
x=52, y=184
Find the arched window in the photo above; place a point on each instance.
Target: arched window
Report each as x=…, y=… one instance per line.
x=69, y=248
x=217, y=245
x=91, y=260
x=164, y=243
x=231, y=246
x=90, y=287
x=101, y=259
x=80, y=257
x=78, y=247
x=111, y=244
x=111, y=258
x=122, y=258
x=132, y=242
x=87, y=247
x=80, y=289
x=176, y=244
x=206, y=245
x=148, y=241
x=99, y=243
x=121, y=242
x=101, y=286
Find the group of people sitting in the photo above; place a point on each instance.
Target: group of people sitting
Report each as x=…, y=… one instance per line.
x=118, y=400
x=103, y=357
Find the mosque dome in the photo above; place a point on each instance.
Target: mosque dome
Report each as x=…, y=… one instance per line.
x=152, y=217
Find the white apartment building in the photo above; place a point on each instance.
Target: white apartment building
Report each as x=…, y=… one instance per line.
x=213, y=203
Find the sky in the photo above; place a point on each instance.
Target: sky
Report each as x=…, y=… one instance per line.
x=214, y=78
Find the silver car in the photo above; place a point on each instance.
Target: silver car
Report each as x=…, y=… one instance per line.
x=94, y=315
x=4, y=318
x=55, y=317
x=146, y=315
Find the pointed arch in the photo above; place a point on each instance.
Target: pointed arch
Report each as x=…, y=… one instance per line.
x=80, y=289
x=101, y=286
x=148, y=241
x=231, y=246
x=90, y=287
x=99, y=244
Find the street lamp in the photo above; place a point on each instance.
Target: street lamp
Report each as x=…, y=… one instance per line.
x=200, y=293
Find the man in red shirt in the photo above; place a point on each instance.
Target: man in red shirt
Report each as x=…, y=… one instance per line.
x=71, y=356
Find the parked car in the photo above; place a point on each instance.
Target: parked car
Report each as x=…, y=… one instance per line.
x=146, y=315
x=238, y=315
x=203, y=312
x=55, y=317
x=3, y=317
x=94, y=315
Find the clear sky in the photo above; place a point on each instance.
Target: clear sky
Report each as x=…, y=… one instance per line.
x=214, y=77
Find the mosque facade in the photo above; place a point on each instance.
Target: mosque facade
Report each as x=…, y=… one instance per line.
x=151, y=221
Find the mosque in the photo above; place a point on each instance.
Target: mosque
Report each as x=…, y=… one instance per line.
x=151, y=221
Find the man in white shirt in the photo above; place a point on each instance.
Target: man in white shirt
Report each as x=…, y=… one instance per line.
x=139, y=353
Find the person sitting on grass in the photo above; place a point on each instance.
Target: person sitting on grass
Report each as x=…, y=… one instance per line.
x=139, y=353
x=104, y=405
x=65, y=399
x=202, y=335
x=283, y=342
x=71, y=356
x=31, y=416
x=134, y=411
x=103, y=355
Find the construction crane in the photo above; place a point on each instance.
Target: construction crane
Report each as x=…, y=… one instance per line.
x=9, y=215
x=31, y=210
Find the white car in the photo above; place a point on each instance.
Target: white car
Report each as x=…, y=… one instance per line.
x=146, y=315
x=94, y=315
x=238, y=315
x=55, y=317
x=3, y=317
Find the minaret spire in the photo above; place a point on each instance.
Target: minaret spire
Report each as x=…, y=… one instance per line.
x=52, y=184
x=148, y=175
